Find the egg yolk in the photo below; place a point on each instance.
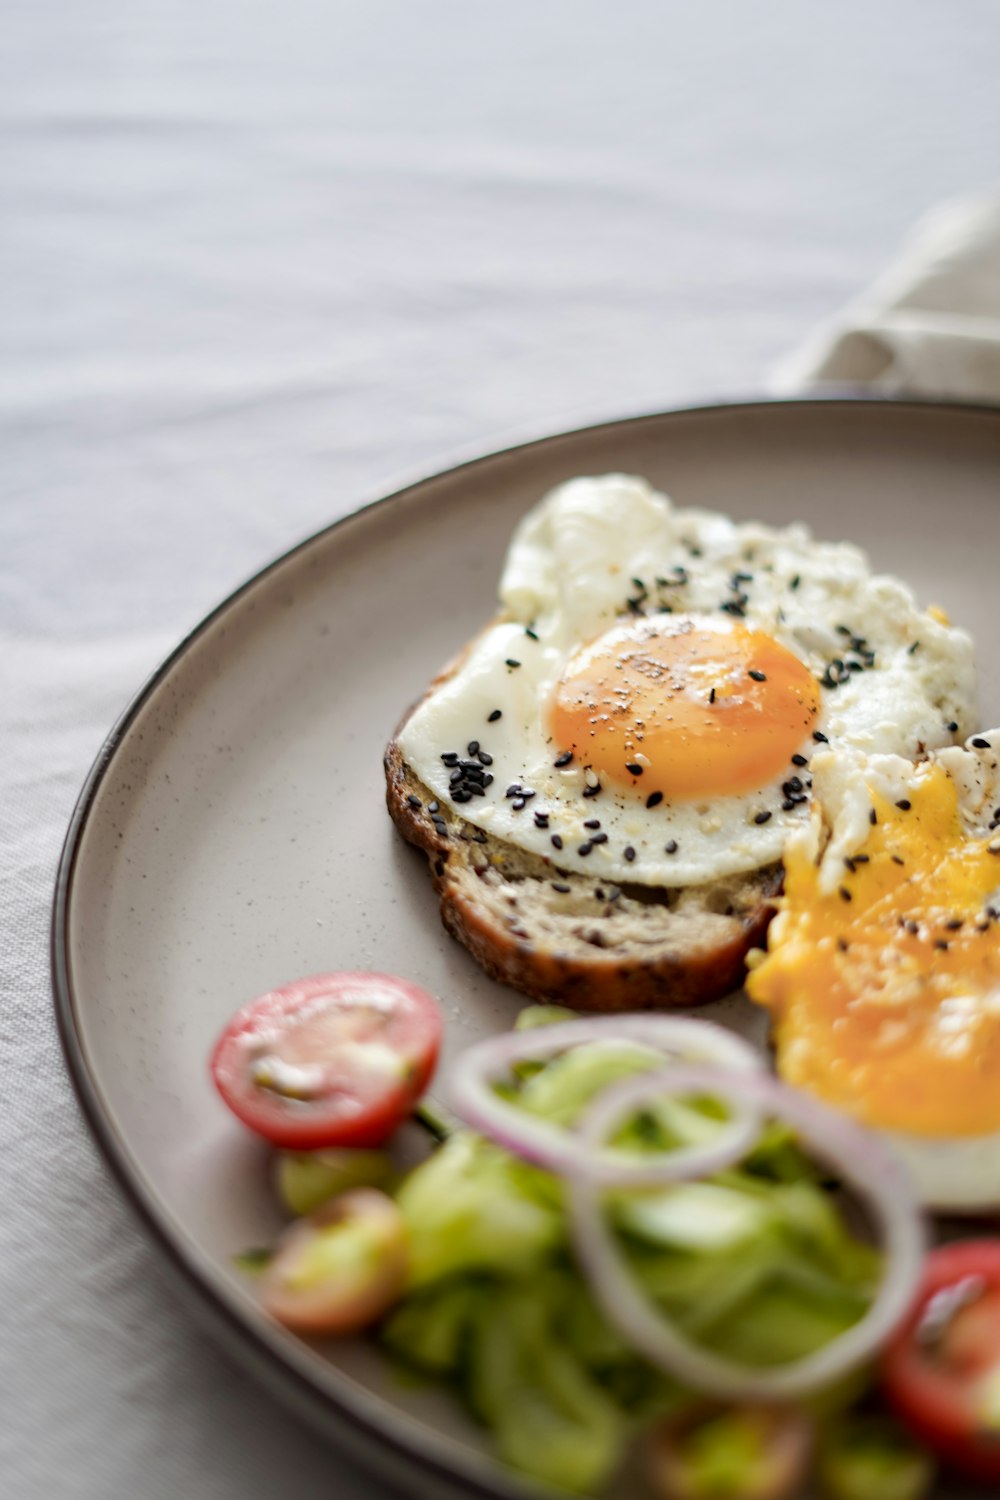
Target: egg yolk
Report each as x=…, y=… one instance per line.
x=885, y=994
x=696, y=707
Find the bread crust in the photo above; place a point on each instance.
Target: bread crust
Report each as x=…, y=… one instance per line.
x=596, y=946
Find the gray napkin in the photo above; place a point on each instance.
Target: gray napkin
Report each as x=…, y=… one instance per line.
x=929, y=325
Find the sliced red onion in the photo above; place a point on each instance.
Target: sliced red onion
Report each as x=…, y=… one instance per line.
x=472, y=1097
x=863, y=1161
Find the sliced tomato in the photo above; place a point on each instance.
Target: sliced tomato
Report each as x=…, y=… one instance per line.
x=942, y=1370
x=332, y=1060
x=341, y=1269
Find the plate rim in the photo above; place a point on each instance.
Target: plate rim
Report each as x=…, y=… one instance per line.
x=359, y=1421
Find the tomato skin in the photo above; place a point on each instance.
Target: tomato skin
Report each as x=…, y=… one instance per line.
x=364, y=1045
x=934, y=1389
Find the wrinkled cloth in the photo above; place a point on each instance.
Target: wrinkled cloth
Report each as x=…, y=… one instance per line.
x=928, y=326
x=257, y=261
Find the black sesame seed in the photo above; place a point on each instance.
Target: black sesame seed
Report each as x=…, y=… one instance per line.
x=456, y=776
x=820, y=737
x=531, y=634
x=980, y=744
x=910, y=649
x=904, y=804
x=479, y=837
x=762, y=817
x=414, y=801
x=711, y=696
x=473, y=747
x=861, y=859
x=843, y=629
x=556, y=841
x=557, y=885
x=527, y=793
x=514, y=790
x=487, y=779
x=942, y=945
x=629, y=853
x=541, y=820
x=952, y=727
x=432, y=807
x=842, y=944
x=496, y=714
x=794, y=583
x=638, y=584
x=599, y=838
x=742, y=578
x=788, y=804
x=850, y=864
x=458, y=795
x=913, y=929
x=633, y=767
x=800, y=760
x=517, y=804
x=450, y=757
x=592, y=823
x=592, y=791
x=563, y=759
x=896, y=860
x=512, y=662
x=872, y=816
x=955, y=925
x=654, y=799
x=585, y=847
x=844, y=893
x=757, y=676
x=671, y=848
x=484, y=757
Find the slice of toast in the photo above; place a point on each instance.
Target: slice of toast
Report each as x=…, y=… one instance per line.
x=574, y=939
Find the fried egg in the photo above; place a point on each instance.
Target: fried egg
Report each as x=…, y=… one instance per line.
x=647, y=704
x=882, y=974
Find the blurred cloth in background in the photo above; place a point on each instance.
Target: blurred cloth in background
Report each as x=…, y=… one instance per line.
x=930, y=324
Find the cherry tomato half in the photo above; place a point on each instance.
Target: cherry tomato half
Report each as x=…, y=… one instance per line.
x=332, y=1060
x=942, y=1370
x=341, y=1269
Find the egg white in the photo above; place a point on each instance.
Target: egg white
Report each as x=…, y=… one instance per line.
x=574, y=563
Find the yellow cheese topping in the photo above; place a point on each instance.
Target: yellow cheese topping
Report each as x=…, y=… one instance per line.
x=885, y=993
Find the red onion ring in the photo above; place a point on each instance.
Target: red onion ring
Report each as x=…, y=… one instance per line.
x=471, y=1096
x=876, y=1174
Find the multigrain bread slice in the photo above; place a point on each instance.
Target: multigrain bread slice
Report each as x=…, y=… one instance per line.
x=574, y=939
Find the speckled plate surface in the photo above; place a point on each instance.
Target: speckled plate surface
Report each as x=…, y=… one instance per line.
x=232, y=833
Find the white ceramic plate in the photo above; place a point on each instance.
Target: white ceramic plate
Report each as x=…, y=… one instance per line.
x=232, y=834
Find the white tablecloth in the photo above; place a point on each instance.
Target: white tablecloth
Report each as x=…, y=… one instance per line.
x=256, y=259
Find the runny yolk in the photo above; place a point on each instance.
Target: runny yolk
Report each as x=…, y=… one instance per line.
x=887, y=1004
x=703, y=708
